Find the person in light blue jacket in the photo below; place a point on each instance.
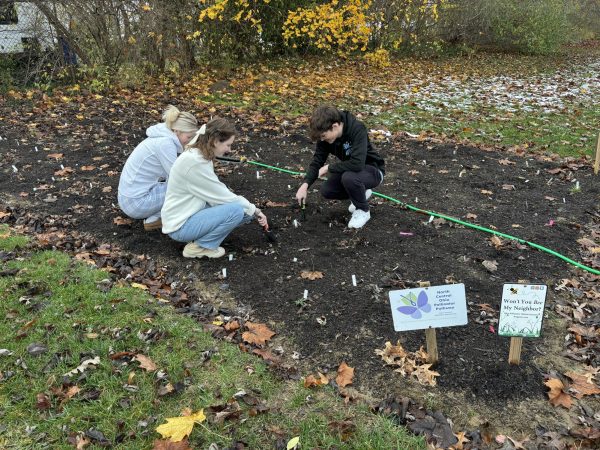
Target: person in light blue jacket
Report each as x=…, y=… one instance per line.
x=143, y=182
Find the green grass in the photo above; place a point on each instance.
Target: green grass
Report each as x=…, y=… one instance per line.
x=9, y=240
x=60, y=303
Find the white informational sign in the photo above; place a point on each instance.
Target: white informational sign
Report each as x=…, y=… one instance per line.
x=429, y=307
x=522, y=310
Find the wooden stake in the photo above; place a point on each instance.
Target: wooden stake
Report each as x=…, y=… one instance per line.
x=432, y=350
x=514, y=355
x=597, y=163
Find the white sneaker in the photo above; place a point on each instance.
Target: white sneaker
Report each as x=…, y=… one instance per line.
x=359, y=218
x=192, y=250
x=368, y=194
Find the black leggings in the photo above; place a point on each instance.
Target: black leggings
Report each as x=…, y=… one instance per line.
x=352, y=185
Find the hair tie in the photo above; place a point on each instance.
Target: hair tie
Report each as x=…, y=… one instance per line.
x=201, y=130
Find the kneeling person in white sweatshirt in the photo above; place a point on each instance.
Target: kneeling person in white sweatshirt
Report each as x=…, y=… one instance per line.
x=199, y=208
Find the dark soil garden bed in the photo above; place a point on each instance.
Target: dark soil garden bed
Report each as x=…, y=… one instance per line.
x=531, y=198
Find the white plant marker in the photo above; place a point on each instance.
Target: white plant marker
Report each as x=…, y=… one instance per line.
x=15, y=170
x=295, y=223
x=53, y=179
x=577, y=185
x=564, y=201
x=230, y=257
x=416, y=199
x=257, y=175
x=224, y=273
x=91, y=186
x=62, y=167
x=36, y=149
x=295, y=260
x=430, y=219
x=305, y=294
x=527, y=163
x=353, y=280
x=289, y=187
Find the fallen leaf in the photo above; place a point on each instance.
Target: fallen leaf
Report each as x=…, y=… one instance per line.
x=271, y=204
x=461, y=440
x=486, y=192
x=556, y=395
x=42, y=402
x=497, y=242
x=508, y=187
x=292, y=443
x=178, y=428
x=345, y=375
x=391, y=353
x=582, y=384
x=318, y=380
x=471, y=216
x=63, y=172
x=146, y=363
x=160, y=444
x=139, y=286
x=425, y=375
x=165, y=390
x=258, y=333
x=56, y=156
x=311, y=275
x=81, y=442
x=506, y=162
x=84, y=366
x=491, y=266
x=87, y=168
x=232, y=326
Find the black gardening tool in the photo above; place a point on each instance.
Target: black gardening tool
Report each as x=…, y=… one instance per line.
x=231, y=160
x=269, y=234
x=303, y=211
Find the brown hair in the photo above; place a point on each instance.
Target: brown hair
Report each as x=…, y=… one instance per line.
x=217, y=130
x=322, y=120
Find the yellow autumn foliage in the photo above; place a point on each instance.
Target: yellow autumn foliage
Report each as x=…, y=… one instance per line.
x=344, y=27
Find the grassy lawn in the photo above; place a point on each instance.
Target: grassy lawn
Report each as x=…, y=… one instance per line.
x=535, y=103
x=57, y=313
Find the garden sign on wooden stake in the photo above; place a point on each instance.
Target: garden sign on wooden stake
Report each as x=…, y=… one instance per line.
x=429, y=308
x=521, y=315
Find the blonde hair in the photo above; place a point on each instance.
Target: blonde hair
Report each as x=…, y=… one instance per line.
x=179, y=121
x=217, y=130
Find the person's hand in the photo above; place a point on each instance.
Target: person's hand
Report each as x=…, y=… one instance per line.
x=324, y=170
x=302, y=193
x=262, y=220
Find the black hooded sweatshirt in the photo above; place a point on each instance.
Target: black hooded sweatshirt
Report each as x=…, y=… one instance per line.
x=353, y=148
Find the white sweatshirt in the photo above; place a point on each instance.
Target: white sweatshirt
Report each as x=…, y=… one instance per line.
x=193, y=185
x=149, y=162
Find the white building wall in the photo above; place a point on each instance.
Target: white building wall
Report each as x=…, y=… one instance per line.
x=32, y=24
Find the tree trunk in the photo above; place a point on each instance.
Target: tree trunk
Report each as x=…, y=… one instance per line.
x=61, y=30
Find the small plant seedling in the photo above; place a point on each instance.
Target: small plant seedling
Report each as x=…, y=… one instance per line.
x=575, y=189
x=301, y=302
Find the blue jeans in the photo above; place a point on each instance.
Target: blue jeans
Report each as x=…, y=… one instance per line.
x=147, y=206
x=210, y=226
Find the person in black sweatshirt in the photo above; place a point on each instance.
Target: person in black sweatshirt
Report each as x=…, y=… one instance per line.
x=359, y=170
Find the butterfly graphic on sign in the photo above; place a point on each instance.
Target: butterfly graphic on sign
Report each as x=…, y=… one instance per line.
x=413, y=305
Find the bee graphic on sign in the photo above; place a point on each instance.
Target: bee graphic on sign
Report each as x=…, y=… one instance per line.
x=514, y=291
